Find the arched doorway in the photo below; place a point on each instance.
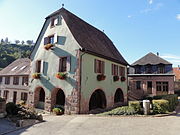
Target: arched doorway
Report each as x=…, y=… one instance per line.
x=97, y=100
x=58, y=98
x=119, y=96
x=39, y=98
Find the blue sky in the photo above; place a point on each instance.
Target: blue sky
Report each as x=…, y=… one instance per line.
x=135, y=26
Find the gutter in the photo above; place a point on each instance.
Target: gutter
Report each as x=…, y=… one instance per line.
x=80, y=73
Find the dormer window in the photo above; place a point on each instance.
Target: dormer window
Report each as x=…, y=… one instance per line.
x=55, y=21
x=49, y=40
x=137, y=69
x=148, y=69
x=52, y=22
x=161, y=69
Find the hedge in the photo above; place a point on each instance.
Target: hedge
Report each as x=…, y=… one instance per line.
x=160, y=106
x=125, y=110
x=2, y=99
x=136, y=105
x=172, y=98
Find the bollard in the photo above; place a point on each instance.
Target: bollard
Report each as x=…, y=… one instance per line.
x=146, y=107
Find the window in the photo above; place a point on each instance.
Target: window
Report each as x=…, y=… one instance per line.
x=99, y=66
x=114, y=69
x=161, y=69
x=138, y=70
x=52, y=22
x=122, y=71
x=162, y=86
x=7, y=80
x=62, y=64
x=24, y=96
x=49, y=40
x=38, y=66
x=148, y=69
x=149, y=84
x=15, y=80
x=1, y=79
x=25, y=80
x=6, y=94
x=138, y=85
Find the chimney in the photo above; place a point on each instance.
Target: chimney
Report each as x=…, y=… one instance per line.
x=157, y=53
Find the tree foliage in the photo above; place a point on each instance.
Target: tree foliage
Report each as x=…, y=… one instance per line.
x=11, y=52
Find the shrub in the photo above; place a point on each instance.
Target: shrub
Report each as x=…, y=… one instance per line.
x=115, y=78
x=160, y=106
x=2, y=99
x=57, y=111
x=173, y=100
x=101, y=77
x=11, y=108
x=36, y=75
x=125, y=110
x=136, y=105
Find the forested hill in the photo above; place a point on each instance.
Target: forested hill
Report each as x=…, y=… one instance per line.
x=11, y=52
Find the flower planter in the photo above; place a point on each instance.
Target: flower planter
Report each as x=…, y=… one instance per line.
x=101, y=77
x=61, y=76
x=48, y=46
x=123, y=79
x=36, y=75
x=115, y=78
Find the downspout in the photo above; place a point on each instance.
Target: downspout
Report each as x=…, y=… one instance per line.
x=80, y=71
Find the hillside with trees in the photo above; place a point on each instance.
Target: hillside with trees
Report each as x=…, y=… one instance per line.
x=10, y=52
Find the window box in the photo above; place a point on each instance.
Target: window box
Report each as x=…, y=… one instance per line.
x=61, y=75
x=115, y=78
x=123, y=79
x=101, y=77
x=48, y=46
x=36, y=75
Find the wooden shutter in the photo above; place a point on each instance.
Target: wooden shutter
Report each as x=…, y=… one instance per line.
x=56, y=21
x=112, y=69
x=46, y=40
x=55, y=38
x=68, y=63
x=42, y=66
x=95, y=66
x=60, y=64
x=103, y=67
x=33, y=67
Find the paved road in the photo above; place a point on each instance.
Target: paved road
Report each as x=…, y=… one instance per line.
x=91, y=125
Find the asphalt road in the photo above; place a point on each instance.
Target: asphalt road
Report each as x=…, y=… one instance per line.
x=92, y=125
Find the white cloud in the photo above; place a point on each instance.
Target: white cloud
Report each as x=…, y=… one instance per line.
x=150, y=2
x=129, y=16
x=172, y=58
x=178, y=16
x=153, y=8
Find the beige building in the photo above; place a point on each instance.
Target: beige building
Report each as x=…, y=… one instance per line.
x=14, y=81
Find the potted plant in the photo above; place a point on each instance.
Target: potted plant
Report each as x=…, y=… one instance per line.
x=101, y=77
x=58, y=111
x=48, y=46
x=61, y=75
x=123, y=79
x=36, y=75
x=115, y=78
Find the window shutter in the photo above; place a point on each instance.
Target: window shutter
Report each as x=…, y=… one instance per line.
x=46, y=40
x=68, y=63
x=95, y=66
x=42, y=66
x=103, y=67
x=33, y=67
x=55, y=38
x=56, y=21
x=112, y=66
